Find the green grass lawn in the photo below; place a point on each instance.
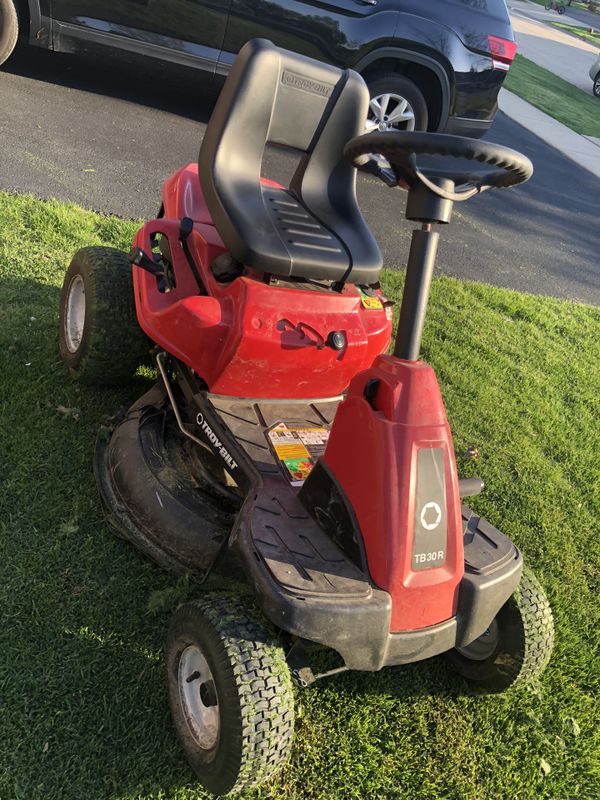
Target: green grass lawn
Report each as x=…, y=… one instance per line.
x=560, y=99
x=580, y=33
x=83, y=710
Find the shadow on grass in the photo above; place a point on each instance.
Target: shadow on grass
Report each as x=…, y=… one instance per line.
x=85, y=709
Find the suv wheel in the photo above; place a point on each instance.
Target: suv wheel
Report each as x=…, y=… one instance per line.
x=396, y=103
x=9, y=28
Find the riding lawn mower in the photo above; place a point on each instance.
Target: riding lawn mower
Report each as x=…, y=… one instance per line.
x=280, y=435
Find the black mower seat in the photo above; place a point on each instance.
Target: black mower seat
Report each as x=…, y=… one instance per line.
x=313, y=229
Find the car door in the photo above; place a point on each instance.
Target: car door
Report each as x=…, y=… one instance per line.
x=188, y=31
x=332, y=30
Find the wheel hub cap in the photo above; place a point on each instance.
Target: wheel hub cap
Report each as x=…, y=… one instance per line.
x=482, y=647
x=75, y=314
x=390, y=111
x=198, y=697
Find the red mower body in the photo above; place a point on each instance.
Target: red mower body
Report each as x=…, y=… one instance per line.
x=405, y=491
x=250, y=337
x=391, y=453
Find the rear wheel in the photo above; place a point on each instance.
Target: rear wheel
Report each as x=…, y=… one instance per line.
x=9, y=28
x=230, y=693
x=517, y=645
x=99, y=338
x=396, y=103
x=597, y=85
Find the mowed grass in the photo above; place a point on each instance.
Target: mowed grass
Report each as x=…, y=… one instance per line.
x=83, y=711
x=587, y=34
x=556, y=97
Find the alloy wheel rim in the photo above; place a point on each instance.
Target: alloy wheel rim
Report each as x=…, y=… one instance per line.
x=390, y=111
x=75, y=314
x=198, y=696
x=484, y=646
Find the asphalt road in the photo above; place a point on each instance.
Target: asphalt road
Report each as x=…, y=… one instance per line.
x=535, y=11
x=106, y=134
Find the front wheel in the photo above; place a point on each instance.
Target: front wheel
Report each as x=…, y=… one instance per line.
x=396, y=104
x=517, y=645
x=597, y=85
x=230, y=693
x=99, y=338
x=9, y=29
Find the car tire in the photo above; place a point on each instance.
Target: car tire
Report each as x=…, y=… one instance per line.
x=99, y=338
x=230, y=693
x=596, y=87
x=9, y=28
x=396, y=103
x=516, y=647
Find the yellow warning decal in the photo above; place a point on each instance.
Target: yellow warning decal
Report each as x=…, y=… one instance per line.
x=297, y=447
x=372, y=302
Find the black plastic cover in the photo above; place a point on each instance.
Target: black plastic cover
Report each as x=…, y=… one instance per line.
x=308, y=587
x=493, y=569
x=151, y=494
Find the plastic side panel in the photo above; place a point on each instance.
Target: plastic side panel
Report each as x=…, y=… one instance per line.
x=183, y=322
x=183, y=196
x=247, y=338
x=282, y=346
x=375, y=457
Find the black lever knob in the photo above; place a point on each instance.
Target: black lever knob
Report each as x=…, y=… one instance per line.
x=336, y=340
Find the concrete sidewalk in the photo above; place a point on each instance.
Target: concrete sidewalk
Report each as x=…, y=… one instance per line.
x=583, y=150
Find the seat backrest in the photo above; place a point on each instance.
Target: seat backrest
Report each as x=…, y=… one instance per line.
x=314, y=228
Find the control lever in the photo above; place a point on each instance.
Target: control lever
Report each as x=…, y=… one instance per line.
x=139, y=258
x=371, y=165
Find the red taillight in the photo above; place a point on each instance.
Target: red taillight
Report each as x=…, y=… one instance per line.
x=503, y=52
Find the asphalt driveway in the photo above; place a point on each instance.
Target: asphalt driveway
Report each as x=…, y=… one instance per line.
x=105, y=135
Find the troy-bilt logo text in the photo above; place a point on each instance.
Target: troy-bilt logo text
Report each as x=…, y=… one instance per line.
x=306, y=84
x=215, y=441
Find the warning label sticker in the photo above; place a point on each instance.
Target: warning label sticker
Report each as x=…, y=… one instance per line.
x=370, y=301
x=297, y=447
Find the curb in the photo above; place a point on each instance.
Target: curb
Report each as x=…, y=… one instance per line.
x=582, y=150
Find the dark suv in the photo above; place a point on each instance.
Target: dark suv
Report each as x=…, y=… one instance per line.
x=429, y=64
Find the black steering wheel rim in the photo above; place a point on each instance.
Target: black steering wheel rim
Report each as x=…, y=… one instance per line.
x=401, y=147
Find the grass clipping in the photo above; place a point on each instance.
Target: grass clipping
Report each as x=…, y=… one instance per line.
x=83, y=710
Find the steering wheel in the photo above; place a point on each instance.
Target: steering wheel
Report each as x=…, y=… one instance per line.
x=400, y=149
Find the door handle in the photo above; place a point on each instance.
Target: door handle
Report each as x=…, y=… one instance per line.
x=366, y=2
